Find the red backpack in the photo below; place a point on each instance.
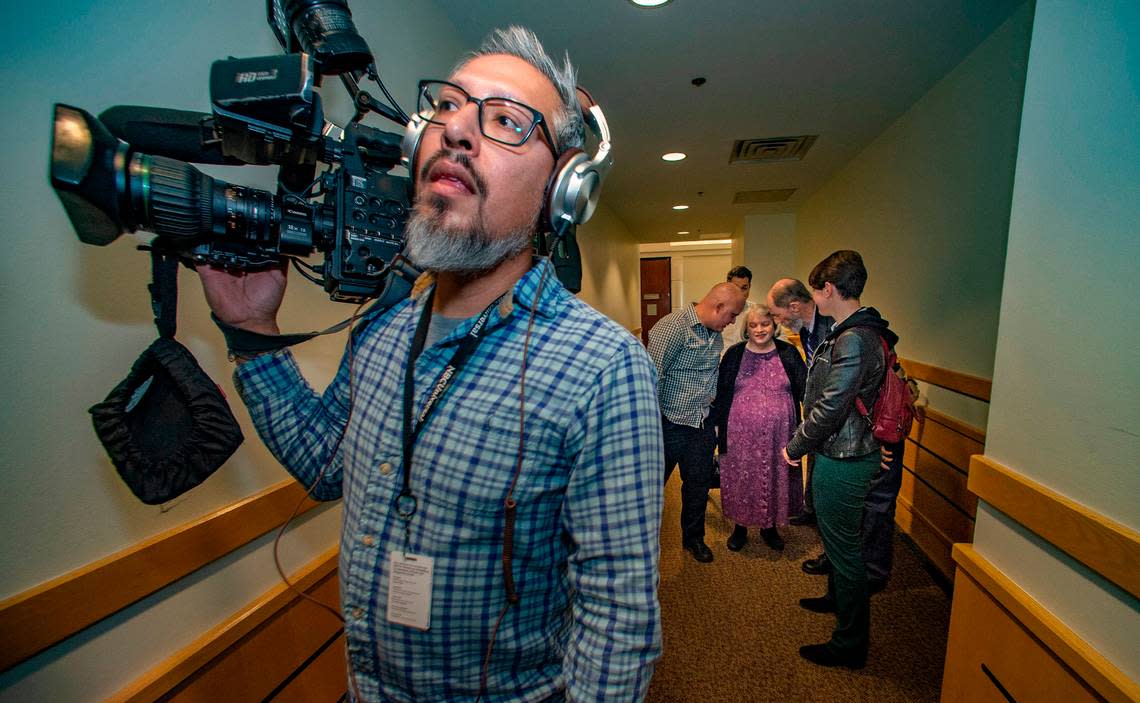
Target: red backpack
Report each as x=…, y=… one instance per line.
x=893, y=413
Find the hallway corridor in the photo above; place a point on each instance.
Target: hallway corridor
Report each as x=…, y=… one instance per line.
x=732, y=628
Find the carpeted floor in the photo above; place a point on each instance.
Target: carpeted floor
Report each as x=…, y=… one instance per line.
x=732, y=628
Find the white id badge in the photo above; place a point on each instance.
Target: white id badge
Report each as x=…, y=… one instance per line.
x=409, y=589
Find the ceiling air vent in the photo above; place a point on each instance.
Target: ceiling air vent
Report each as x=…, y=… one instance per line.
x=771, y=150
x=776, y=195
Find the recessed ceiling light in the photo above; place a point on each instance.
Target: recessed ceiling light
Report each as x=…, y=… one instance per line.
x=672, y=156
x=680, y=207
x=683, y=232
x=649, y=3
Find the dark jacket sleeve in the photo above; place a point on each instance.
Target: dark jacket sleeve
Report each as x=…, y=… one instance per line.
x=725, y=388
x=796, y=369
x=837, y=395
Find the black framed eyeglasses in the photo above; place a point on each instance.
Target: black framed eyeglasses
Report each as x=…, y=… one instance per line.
x=501, y=120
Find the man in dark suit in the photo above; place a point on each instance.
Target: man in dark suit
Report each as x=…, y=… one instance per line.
x=791, y=304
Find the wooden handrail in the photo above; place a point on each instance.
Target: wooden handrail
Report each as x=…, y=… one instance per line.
x=1107, y=547
x=964, y=383
x=45, y=615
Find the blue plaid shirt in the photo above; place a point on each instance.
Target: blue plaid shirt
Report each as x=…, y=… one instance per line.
x=589, y=499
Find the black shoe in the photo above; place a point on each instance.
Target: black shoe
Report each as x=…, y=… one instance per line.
x=875, y=586
x=802, y=519
x=817, y=567
x=738, y=538
x=772, y=538
x=821, y=655
x=822, y=604
x=700, y=551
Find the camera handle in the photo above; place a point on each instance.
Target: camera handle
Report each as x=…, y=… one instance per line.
x=243, y=343
x=163, y=290
x=364, y=103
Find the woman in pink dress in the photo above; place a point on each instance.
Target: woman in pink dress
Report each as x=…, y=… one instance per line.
x=757, y=407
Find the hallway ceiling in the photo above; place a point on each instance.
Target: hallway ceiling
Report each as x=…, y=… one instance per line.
x=838, y=69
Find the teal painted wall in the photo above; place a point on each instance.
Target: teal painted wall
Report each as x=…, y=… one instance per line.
x=927, y=205
x=1066, y=396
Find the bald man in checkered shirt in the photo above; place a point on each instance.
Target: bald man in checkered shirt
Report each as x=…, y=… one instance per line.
x=686, y=345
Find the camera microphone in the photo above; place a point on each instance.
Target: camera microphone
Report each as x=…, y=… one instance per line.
x=178, y=134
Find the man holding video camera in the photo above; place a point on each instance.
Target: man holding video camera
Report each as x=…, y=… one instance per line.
x=496, y=441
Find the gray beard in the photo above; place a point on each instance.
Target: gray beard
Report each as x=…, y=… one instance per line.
x=433, y=248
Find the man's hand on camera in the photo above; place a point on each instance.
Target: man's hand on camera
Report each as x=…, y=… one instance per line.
x=245, y=299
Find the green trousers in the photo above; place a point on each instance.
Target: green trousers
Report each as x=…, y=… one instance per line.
x=840, y=487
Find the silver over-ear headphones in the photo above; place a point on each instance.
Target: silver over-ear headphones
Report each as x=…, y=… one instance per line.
x=576, y=180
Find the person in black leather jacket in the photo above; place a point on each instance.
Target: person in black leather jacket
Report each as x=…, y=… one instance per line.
x=849, y=363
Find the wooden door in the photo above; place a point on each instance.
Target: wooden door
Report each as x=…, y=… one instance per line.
x=656, y=293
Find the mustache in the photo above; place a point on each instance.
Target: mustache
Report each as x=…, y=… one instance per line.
x=458, y=158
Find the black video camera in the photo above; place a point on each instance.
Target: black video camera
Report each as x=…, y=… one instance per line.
x=128, y=170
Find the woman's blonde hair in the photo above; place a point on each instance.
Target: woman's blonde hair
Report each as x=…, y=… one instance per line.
x=758, y=310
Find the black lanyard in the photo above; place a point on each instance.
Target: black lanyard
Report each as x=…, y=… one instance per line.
x=406, y=502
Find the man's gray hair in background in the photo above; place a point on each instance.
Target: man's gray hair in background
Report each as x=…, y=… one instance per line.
x=783, y=295
x=567, y=125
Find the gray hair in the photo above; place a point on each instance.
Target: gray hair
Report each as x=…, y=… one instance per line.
x=567, y=125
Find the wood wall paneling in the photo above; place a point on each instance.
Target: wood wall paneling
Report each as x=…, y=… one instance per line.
x=251, y=654
x=963, y=428
x=935, y=508
x=932, y=541
x=990, y=657
x=268, y=655
x=948, y=480
x=1045, y=649
x=940, y=437
x=956, y=525
x=325, y=675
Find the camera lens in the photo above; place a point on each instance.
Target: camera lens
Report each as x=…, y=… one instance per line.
x=173, y=199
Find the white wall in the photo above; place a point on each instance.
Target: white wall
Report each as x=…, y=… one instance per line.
x=769, y=251
x=611, y=278
x=75, y=317
x=927, y=205
x=695, y=274
x=693, y=269
x=1066, y=392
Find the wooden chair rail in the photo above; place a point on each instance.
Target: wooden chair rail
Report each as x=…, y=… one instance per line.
x=964, y=383
x=1104, y=545
x=57, y=609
